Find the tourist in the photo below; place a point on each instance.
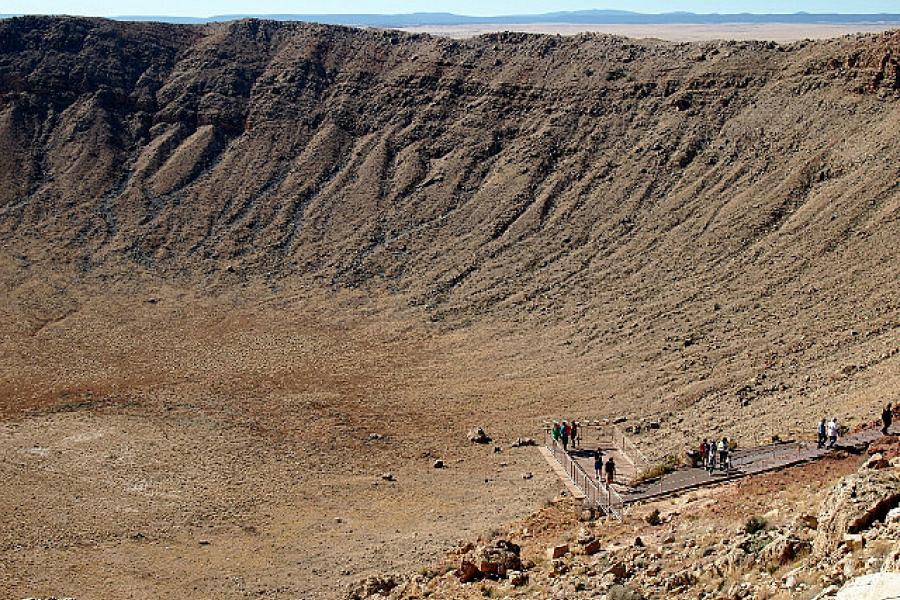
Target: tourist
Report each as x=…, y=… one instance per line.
x=821, y=433
x=574, y=434
x=610, y=471
x=711, y=455
x=703, y=452
x=723, y=454
x=887, y=417
x=554, y=432
x=598, y=463
x=564, y=432
x=833, y=431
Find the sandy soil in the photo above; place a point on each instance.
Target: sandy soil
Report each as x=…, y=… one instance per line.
x=186, y=447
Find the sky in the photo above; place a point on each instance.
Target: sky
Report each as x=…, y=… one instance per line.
x=205, y=8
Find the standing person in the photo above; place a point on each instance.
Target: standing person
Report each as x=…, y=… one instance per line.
x=574, y=434
x=598, y=463
x=821, y=433
x=833, y=430
x=887, y=417
x=723, y=454
x=564, y=432
x=554, y=433
x=610, y=471
x=703, y=455
x=711, y=455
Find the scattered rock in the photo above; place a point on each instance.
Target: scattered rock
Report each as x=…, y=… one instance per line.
x=638, y=542
x=527, y=475
x=523, y=442
x=808, y=521
x=893, y=516
x=438, y=464
x=618, y=571
x=585, y=535
x=887, y=446
x=468, y=572
x=375, y=436
x=517, y=578
x=557, y=551
x=388, y=476
x=372, y=586
x=854, y=541
x=876, y=461
x=592, y=547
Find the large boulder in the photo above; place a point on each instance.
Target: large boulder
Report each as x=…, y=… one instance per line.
x=878, y=586
x=854, y=504
x=499, y=558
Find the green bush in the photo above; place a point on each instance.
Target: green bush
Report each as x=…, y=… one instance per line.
x=653, y=518
x=667, y=465
x=755, y=524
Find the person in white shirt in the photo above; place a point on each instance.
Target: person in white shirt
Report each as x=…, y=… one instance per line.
x=833, y=430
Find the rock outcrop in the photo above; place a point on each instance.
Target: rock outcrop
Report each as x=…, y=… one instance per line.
x=854, y=504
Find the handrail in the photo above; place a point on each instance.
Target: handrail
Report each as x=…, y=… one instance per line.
x=596, y=493
x=630, y=450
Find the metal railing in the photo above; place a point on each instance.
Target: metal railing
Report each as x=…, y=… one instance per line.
x=629, y=449
x=597, y=494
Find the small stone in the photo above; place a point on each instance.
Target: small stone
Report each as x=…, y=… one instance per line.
x=557, y=551
x=438, y=464
x=585, y=536
x=809, y=521
x=893, y=516
x=527, y=475
x=467, y=572
x=854, y=541
x=388, y=476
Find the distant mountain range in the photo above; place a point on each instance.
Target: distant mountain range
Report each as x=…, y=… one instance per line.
x=586, y=17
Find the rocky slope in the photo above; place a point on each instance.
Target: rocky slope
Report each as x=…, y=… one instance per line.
x=707, y=545
x=710, y=225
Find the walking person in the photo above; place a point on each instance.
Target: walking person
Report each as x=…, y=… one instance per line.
x=598, y=464
x=610, y=469
x=833, y=432
x=723, y=454
x=821, y=433
x=574, y=434
x=887, y=417
x=564, y=432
